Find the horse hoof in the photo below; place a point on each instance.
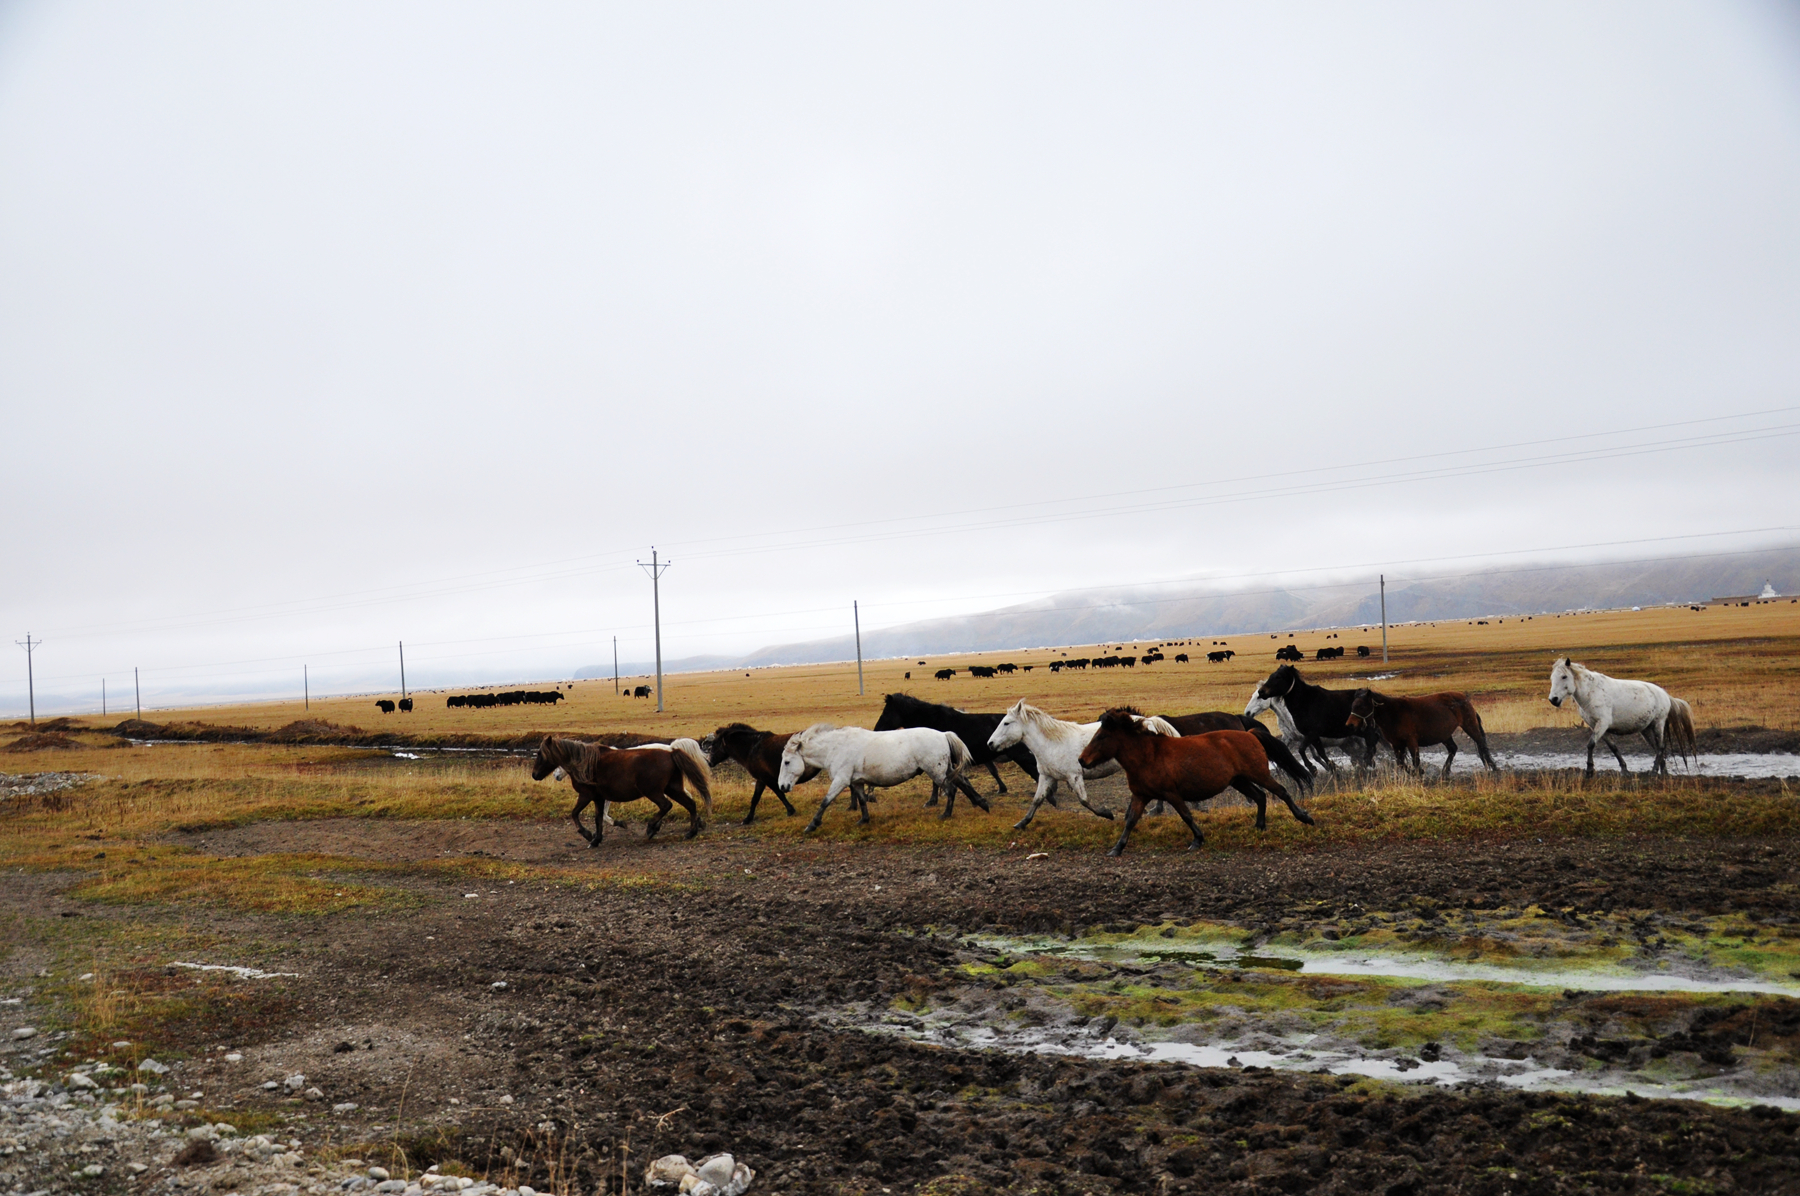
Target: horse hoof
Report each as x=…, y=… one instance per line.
x=1021, y=824
x=748, y=821
x=1116, y=851
x=945, y=814
x=1194, y=846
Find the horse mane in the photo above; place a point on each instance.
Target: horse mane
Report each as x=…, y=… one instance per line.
x=742, y=733
x=816, y=727
x=1043, y=720
x=573, y=756
x=921, y=703
x=1128, y=719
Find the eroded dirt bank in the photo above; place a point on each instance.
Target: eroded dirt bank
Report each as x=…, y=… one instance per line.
x=673, y=1009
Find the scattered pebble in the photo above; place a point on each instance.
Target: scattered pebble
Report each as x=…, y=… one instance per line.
x=153, y=1067
x=24, y=1032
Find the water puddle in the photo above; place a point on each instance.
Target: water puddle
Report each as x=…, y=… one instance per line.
x=239, y=973
x=1691, y=1008
x=1749, y=765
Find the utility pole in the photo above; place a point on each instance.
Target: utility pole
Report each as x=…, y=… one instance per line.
x=656, y=568
x=403, y=668
x=856, y=616
x=1384, y=659
x=137, y=690
x=306, y=687
x=30, y=680
x=615, y=666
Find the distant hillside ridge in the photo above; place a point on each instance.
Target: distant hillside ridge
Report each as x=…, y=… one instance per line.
x=1167, y=613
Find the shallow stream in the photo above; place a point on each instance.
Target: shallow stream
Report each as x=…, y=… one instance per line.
x=1608, y=1003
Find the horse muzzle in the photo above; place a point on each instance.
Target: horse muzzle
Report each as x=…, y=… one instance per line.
x=1556, y=702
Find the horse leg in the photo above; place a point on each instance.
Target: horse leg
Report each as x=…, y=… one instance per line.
x=997, y=780
x=1418, y=765
x=678, y=792
x=1449, y=755
x=1253, y=791
x=1657, y=743
x=1618, y=755
x=662, y=811
x=755, y=796
x=1079, y=784
x=1274, y=786
x=1187, y=816
x=1133, y=812
x=973, y=796
x=1044, y=785
x=837, y=787
x=581, y=801
x=786, y=804
x=1601, y=725
x=1481, y=746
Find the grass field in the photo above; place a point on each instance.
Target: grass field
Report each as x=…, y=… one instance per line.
x=1735, y=665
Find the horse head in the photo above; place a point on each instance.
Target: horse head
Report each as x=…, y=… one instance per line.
x=717, y=746
x=793, y=757
x=547, y=760
x=1116, y=725
x=1562, y=680
x=1362, y=705
x=1010, y=730
x=1279, y=684
x=890, y=719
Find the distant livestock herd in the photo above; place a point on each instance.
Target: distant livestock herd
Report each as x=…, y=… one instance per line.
x=514, y=697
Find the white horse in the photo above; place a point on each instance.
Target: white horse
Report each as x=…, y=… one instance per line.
x=1290, y=734
x=1057, y=745
x=855, y=757
x=1610, y=706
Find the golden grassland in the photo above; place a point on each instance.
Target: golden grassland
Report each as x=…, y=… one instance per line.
x=117, y=836
x=1735, y=665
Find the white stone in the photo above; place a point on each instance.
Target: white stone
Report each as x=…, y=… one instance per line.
x=185, y=1105
x=314, y=1094
x=119, y=1046
x=295, y=1082
x=93, y=1170
x=741, y=1178
x=668, y=1171
x=271, y=1085
x=153, y=1067
x=77, y=1080
x=234, y=1057
x=378, y=1173
x=24, y=1032
x=136, y=1168
x=525, y=1191
x=348, y=1106
x=715, y=1169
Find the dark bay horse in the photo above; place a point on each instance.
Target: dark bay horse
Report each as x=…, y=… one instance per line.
x=904, y=710
x=1273, y=748
x=759, y=754
x=601, y=775
x=1319, y=714
x=1193, y=768
x=1413, y=723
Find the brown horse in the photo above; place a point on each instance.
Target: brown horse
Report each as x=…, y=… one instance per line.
x=1193, y=768
x=1413, y=723
x=602, y=775
x=1225, y=720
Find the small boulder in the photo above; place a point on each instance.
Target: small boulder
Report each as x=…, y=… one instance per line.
x=378, y=1173
x=196, y=1153
x=153, y=1067
x=668, y=1172
x=24, y=1032
x=78, y=1080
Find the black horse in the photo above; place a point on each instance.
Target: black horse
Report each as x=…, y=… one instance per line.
x=904, y=710
x=1319, y=714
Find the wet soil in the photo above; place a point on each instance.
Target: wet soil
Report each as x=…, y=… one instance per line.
x=675, y=1006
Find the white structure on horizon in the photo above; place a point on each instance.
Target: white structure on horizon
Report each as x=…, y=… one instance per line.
x=1768, y=590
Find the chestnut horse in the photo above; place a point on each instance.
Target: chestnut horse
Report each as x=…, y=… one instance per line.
x=605, y=775
x=1193, y=768
x=1273, y=748
x=1413, y=723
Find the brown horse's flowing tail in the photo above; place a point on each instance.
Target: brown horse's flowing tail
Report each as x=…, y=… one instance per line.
x=1471, y=725
x=1678, y=731
x=692, y=763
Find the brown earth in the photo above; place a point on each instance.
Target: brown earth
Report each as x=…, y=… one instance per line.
x=671, y=1009
x=42, y=741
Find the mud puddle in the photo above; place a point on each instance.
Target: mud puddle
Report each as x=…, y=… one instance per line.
x=1689, y=1011
x=1749, y=765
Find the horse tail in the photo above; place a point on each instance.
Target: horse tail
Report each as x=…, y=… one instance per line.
x=692, y=762
x=1678, y=731
x=959, y=755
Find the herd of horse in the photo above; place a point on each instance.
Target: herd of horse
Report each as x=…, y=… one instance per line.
x=1177, y=760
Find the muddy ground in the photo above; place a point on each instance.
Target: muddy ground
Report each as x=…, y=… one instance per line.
x=675, y=1007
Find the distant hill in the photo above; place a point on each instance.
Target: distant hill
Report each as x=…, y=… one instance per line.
x=1123, y=615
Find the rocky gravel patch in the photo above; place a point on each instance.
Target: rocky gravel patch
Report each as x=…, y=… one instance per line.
x=36, y=784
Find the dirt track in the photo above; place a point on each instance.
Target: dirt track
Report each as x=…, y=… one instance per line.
x=672, y=1010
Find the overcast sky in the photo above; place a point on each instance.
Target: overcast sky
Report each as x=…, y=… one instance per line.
x=327, y=326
